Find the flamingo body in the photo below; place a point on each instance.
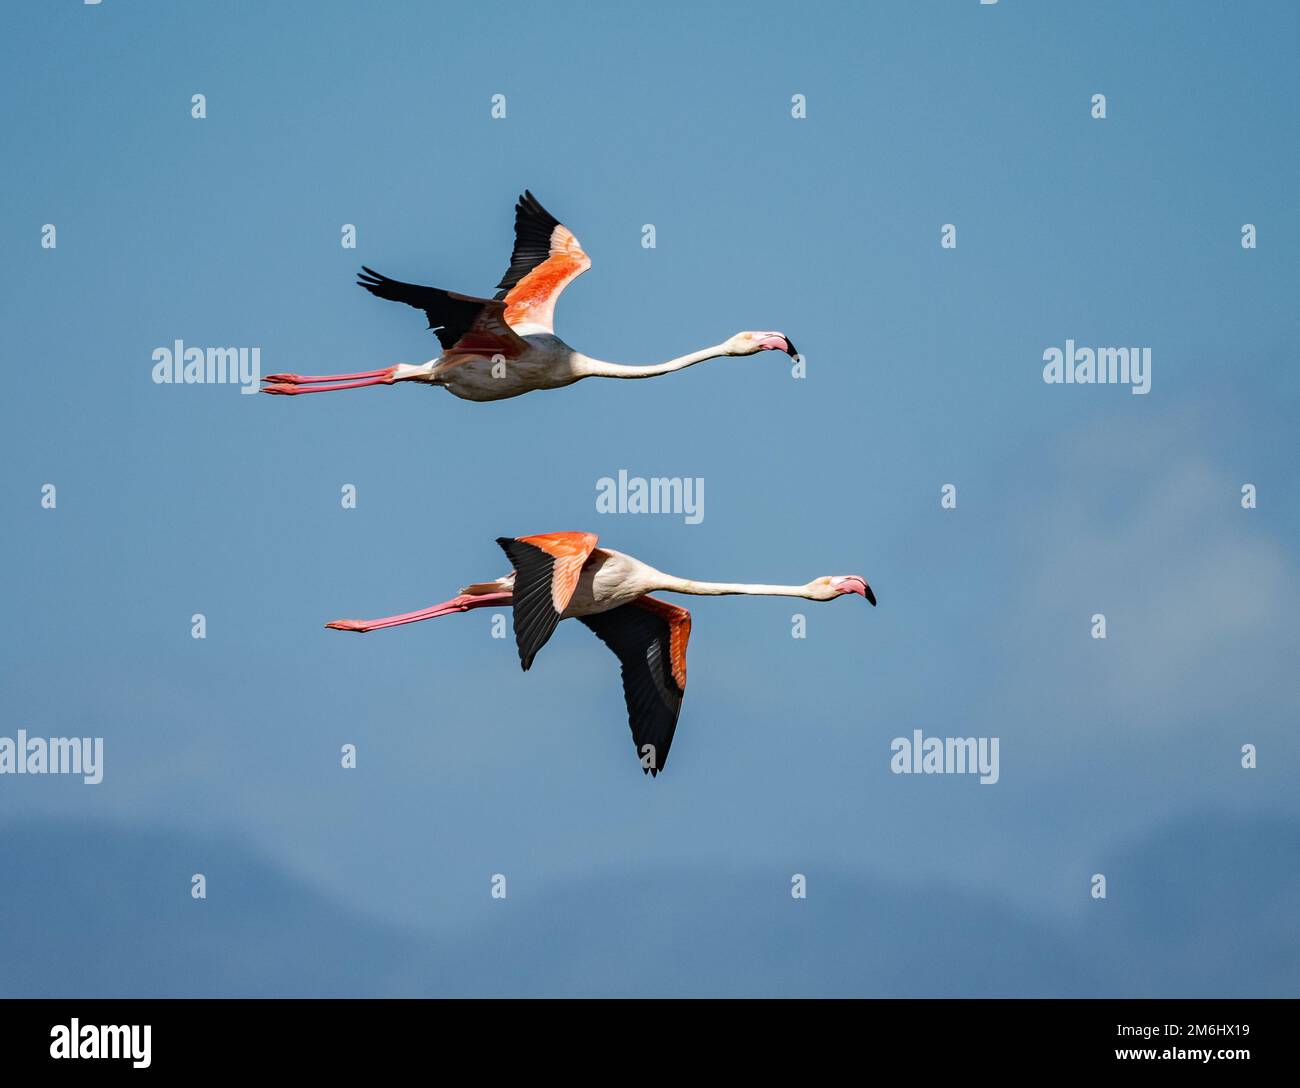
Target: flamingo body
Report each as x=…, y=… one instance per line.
x=546, y=362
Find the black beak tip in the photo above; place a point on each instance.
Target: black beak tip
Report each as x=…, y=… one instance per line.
x=871, y=597
x=790, y=349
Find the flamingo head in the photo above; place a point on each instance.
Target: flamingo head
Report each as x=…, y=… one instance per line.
x=751, y=343
x=827, y=589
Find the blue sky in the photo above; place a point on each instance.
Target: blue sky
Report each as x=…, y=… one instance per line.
x=924, y=368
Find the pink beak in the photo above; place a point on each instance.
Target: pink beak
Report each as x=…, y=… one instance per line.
x=777, y=342
x=859, y=586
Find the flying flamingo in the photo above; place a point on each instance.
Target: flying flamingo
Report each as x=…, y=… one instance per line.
x=506, y=345
x=564, y=575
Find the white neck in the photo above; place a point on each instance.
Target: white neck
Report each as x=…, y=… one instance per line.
x=720, y=589
x=598, y=368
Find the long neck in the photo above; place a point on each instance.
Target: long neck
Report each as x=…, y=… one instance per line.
x=721, y=589
x=598, y=368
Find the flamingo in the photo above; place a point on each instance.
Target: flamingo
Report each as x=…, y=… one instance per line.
x=560, y=576
x=506, y=346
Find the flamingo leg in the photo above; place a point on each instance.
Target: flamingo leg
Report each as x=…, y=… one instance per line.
x=286, y=385
x=463, y=603
x=307, y=379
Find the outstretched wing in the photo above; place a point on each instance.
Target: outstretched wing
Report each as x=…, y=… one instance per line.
x=546, y=573
x=546, y=259
x=461, y=323
x=649, y=638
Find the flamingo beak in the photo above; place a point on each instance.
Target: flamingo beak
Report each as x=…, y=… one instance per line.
x=859, y=586
x=776, y=341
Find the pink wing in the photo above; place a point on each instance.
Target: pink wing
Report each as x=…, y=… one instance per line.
x=546, y=259
x=547, y=567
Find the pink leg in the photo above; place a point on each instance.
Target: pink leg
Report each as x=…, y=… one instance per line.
x=463, y=603
x=287, y=384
